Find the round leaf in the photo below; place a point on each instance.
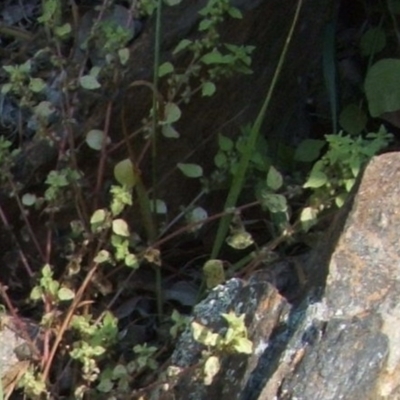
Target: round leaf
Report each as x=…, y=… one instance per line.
x=172, y=113
x=28, y=199
x=382, y=87
x=208, y=89
x=124, y=173
x=94, y=139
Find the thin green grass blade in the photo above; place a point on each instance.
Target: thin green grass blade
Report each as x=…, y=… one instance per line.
x=239, y=179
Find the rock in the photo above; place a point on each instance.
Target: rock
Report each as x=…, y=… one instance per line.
x=341, y=339
x=16, y=352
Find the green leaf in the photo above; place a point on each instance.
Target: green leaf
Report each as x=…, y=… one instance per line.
x=214, y=273
x=36, y=293
x=94, y=139
x=208, y=89
x=205, y=24
x=225, y=144
x=203, y=335
x=274, y=202
x=240, y=240
x=211, y=369
x=124, y=173
x=102, y=256
x=372, y=41
x=28, y=199
x=309, y=150
x=161, y=207
x=120, y=227
x=98, y=217
x=215, y=57
x=131, y=261
x=316, y=179
x=172, y=113
x=235, y=13
x=37, y=85
x=340, y=199
x=196, y=215
x=182, y=45
x=124, y=55
x=220, y=160
x=89, y=82
x=353, y=120
x=191, y=170
x=243, y=345
x=169, y=132
x=165, y=68
x=274, y=178
x=63, y=31
x=308, y=218
x=382, y=87
x=65, y=294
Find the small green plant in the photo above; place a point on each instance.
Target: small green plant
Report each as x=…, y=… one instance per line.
x=233, y=341
x=334, y=175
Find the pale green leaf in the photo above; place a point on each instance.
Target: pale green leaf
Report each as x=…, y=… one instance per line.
x=131, y=261
x=172, y=113
x=240, y=240
x=203, y=335
x=65, y=294
x=191, y=170
x=316, y=179
x=28, y=199
x=120, y=227
x=37, y=85
x=308, y=218
x=211, y=368
x=102, y=256
x=169, y=132
x=124, y=173
x=274, y=202
x=274, y=178
x=94, y=139
x=98, y=217
x=123, y=55
x=214, y=273
x=63, y=31
x=89, y=82
x=243, y=345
